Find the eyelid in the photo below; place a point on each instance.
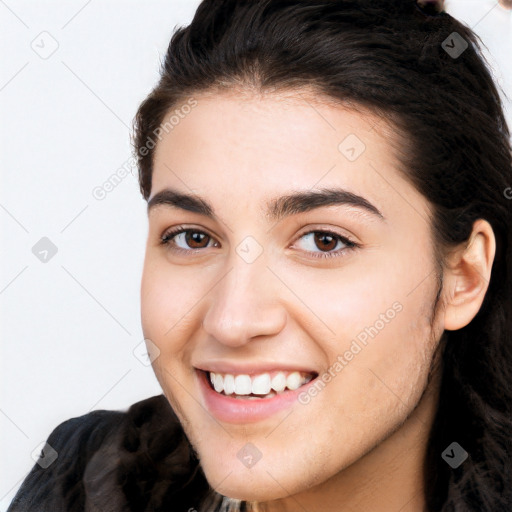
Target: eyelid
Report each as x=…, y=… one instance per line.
x=323, y=229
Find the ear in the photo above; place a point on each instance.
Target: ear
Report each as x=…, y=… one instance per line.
x=468, y=275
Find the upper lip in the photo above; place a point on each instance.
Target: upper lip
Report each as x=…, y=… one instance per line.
x=239, y=368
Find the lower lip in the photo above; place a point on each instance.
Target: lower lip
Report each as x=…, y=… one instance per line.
x=235, y=410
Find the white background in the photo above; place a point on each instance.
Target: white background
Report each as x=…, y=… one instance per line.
x=70, y=325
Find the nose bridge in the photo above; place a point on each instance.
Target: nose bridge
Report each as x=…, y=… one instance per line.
x=244, y=302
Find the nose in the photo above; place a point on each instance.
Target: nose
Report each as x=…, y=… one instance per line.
x=245, y=304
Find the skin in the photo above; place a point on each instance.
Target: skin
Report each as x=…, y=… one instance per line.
x=359, y=444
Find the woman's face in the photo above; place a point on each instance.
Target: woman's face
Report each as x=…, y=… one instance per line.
x=247, y=292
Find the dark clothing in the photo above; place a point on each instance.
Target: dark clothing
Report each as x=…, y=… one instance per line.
x=112, y=461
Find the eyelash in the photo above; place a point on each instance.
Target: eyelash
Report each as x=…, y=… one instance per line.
x=350, y=245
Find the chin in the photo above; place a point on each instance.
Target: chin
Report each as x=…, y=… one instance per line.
x=267, y=481
x=259, y=491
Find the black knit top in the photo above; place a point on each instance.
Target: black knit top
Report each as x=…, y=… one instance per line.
x=110, y=461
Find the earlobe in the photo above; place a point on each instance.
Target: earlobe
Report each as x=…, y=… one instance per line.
x=467, y=278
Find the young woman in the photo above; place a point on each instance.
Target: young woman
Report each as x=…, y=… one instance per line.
x=326, y=290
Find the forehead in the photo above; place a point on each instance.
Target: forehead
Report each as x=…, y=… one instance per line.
x=251, y=147
x=274, y=126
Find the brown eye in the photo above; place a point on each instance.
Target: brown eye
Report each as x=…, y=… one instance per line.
x=192, y=239
x=326, y=241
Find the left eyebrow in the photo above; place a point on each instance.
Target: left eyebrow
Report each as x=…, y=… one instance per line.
x=276, y=208
x=305, y=201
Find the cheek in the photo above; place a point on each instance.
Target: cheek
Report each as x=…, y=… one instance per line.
x=373, y=327
x=167, y=307
x=383, y=295
x=169, y=296
x=350, y=303
x=171, y=317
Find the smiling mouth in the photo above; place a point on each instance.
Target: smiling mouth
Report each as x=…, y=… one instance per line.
x=258, y=387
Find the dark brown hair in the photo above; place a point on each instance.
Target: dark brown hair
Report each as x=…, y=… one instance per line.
x=396, y=59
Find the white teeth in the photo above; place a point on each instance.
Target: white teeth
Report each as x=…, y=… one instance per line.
x=243, y=385
x=229, y=384
x=279, y=382
x=218, y=383
x=261, y=384
x=293, y=381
